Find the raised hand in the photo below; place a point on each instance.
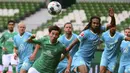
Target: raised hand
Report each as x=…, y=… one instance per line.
x=111, y=12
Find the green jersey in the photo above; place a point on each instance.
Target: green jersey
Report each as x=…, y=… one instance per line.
x=6, y=41
x=50, y=55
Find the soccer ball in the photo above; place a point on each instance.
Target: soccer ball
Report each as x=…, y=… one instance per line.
x=54, y=8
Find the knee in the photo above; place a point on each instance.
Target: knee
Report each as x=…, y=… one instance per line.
x=102, y=70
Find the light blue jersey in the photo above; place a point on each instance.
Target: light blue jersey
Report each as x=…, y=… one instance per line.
x=125, y=57
x=88, y=45
x=125, y=52
x=111, y=50
x=24, y=50
x=63, y=64
x=67, y=42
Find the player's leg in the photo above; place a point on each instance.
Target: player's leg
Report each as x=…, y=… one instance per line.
x=25, y=66
x=127, y=69
x=121, y=69
x=61, y=67
x=13, y=63
x=103, y=65
x=79, y=65
x=103, y=69
x=32, y=70
x=82, y=69
x=5, y=62
x=111, y=66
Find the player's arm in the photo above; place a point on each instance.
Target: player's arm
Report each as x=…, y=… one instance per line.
x=30, y=40
x=15, y=53
x=113, y=21
x=72, y=44
x=32, y=57
x=66, y=54
x=2, y=40
x=127, y=38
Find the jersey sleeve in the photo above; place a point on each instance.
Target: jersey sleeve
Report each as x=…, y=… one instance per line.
x=60, y=39
x=82, y=36
x=2, y=39
x=38, y=41
x=65, y=52
x=102, y=37
x=122, y=36
x=14, y=43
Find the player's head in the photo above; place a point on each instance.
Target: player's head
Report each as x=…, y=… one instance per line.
x=94, y=24
x=11, y=25
x=68, y=28
x=127, y=32
x=21, y=27
x=54, y=32
x=113, y=29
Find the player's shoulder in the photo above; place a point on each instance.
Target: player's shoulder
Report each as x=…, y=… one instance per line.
x=74, y=34
x=86, y=31
x=45, y=38
x=28, y=33
x=62, y=36
x=17, y=35
x=5, y=32
x=105, y=33
x=61, y=44
x=15, y=32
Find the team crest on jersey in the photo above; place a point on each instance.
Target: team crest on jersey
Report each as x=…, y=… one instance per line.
x=48, y=52
x=125, y=50
x=22, y=47
x=81, y=34
x=10, y=40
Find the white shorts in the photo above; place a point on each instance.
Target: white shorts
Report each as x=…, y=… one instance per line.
x=32, y=70
x=7, y=59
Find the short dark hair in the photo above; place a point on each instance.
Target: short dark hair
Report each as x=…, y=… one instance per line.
x=54, y=28
x=127, y=28
x=11, y=21
x=67, y=23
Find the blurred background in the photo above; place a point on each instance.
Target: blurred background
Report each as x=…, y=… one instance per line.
x=36, y=17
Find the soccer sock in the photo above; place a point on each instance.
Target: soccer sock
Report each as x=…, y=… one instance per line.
x=5, y=70
x=14, y=69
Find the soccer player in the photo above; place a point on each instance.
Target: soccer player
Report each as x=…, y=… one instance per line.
x=89, y=40
x=51, y=52
x=112, y=40
x=6, y=41
x=23, y=50
x=66, y=39
x=124, y=66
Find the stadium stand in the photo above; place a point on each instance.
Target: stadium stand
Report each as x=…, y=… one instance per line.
x=16, y=11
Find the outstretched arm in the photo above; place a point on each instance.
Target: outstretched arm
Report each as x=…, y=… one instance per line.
x=15, y=53
x=69, y=63
x=113, y=21
x=30, y=39
x=32, y=57
x=72, y=44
